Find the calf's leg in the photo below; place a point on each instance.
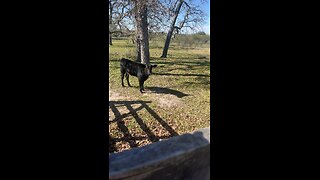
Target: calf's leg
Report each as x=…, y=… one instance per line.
x=141, y=85
x=127, y=77
x=122, y=76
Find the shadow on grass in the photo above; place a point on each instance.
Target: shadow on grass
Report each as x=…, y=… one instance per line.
x=132, y=58
x=199, y=82
x=119, y=119
x=161, y=90
x=172, y=74
x=178, y=61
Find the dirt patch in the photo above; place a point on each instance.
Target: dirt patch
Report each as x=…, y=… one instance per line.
x=141, y=127
x=162, y=100
x=114, y=96
x=167, y=100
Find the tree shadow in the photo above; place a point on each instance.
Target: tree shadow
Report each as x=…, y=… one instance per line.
x=178, y=61
x=122, y=127
x=119, y=119
x=118, y=60
x=161, y=90
x=172, y=74
x=202, y=82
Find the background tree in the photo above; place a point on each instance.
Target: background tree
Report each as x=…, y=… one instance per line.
x=119, y=12
x=192, y=18
x=135, y=19
x=142, y=39
x=110, y=21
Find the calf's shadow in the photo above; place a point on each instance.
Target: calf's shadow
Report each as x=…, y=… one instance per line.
x=161, y=90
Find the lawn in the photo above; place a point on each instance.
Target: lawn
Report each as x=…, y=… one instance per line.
x=177, y=98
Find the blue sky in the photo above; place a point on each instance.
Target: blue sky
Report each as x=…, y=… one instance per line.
x=206, y=8
x=207, y=25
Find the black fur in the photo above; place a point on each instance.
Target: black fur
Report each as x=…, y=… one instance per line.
x=142, y=71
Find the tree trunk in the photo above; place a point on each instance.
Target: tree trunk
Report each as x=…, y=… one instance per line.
x=142, y=31
x=138, y=48
x=110, y=22
x=169, y=35
x=110, y=38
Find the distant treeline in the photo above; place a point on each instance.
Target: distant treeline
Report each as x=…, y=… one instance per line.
x=187, y=40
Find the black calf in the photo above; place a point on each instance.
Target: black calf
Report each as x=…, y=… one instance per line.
x=142, y=71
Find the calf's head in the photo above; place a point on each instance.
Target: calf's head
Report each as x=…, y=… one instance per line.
x=148, y=68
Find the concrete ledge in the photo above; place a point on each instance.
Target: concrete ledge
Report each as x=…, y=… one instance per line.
x=181, y=157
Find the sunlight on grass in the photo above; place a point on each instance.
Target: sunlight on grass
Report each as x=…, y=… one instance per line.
x=178, y=92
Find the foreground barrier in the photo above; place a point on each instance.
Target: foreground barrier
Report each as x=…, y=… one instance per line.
x=181, y=157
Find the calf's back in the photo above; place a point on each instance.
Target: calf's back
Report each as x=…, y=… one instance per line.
x=133, y=68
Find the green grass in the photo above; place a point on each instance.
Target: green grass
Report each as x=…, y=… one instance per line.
x=177, y=97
